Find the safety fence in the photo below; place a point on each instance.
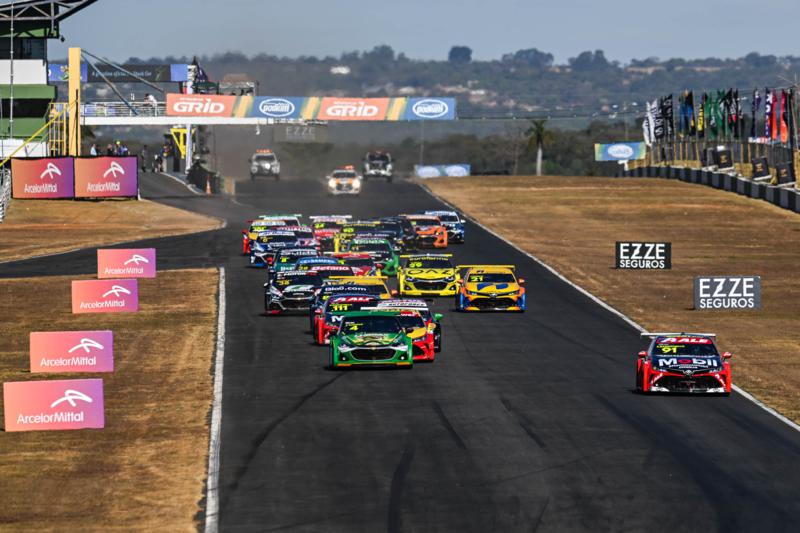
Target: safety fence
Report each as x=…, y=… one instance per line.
x=5, y=192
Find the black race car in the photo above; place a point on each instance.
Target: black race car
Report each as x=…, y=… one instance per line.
x=291, y=290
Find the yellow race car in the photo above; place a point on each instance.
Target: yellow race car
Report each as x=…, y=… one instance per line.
x=427, y=275
x=375, y=284
x=489, y=288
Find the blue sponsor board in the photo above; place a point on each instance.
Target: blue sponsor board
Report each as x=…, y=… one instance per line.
x=58, y=72
x=277, y=106
x=442, y=171
x=430, y=109
x=619, y=151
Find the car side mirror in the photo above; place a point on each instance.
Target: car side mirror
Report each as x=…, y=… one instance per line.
x=643, y=353
x=437, y=316
x=727, y=355
x=521, y=281
x=393, y=292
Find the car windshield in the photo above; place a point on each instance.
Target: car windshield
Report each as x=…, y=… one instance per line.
x=370, y=324
x=344, y=174
x=449, y=218
x=304, y=234
x=369, y=247
x=429, y=262
x=358, y=261
x=285, y=281
x=384, y=158
x=684, y=349
x=425, y=221
x=327, y=273
x=411, y=321
x=494, y=277
x=265, y=158
x=276, y=238
x=309, y=261
x=374, y=289
x=394, y=229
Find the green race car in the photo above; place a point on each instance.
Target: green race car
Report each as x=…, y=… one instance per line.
x=379, y=249
x=370, y=338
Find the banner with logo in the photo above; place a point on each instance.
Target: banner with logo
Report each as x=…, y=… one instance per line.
x=106, y=176
x=332, y=108
x=176, y=72
x=72, y=351
x=643, y=255
x=53, y=405
x=727, y=292
x=442, y=171
x=126, y=263
x=430, y=109
x=619, y=151
x=105, y=296
x=48, y=177
x=277, y=107
x=201, y=105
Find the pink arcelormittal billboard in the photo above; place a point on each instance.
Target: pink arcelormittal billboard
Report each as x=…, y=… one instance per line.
x=126, y=263
x=48, y=405
x=72, y=351
x=101, y=177
x=105, y=296
x=44, y=178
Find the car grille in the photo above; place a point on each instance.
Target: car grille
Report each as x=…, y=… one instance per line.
x=493, y=303
x=688, y=383
x=418, y=351
x=425, y=285
x=427, y=240
x=377, y=354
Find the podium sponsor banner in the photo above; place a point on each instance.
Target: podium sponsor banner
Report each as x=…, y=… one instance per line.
x=430, y=109
x=200, y=105
x=72, y=351
x=442, y=171
x=105, y=296
x=126, y=263
x=53, y=405
x=43, y=178
x=105, y=177
x=619, y=151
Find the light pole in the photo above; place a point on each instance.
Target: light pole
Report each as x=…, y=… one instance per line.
x=11, y=79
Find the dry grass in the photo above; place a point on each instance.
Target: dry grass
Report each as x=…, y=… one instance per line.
x=572, y=224
x=145, y=471
x=60, y=225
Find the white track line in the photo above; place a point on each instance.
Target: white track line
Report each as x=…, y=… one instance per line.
x=603, y=304
x=214, y=442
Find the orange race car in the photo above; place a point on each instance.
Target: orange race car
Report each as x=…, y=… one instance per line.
x=430, y=230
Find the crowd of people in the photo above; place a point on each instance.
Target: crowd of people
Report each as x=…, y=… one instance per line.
x=155, y=161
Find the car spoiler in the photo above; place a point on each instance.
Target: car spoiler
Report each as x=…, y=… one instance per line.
x=332, y=218
x=406, y=256
x=461, y=267
x=678, y=334
x=358, y=278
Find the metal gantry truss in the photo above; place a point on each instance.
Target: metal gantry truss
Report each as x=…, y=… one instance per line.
x=52, y=11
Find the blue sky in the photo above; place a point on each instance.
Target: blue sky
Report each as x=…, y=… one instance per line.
x=426, y=29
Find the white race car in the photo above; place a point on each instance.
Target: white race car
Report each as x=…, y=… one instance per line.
x=344, y=180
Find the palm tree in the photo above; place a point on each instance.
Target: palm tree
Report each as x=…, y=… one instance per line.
x=538, y=137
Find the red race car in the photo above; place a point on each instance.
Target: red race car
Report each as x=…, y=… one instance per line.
x=422, y=326
x=362, y=264
x=326, y=227
x=683, y=363
x=328, y=320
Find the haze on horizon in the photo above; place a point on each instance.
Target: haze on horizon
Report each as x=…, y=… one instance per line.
x=623, y=29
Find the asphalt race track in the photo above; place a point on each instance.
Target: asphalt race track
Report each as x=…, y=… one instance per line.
x=524, y=422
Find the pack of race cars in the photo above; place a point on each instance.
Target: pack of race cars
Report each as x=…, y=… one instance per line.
x=337, y=270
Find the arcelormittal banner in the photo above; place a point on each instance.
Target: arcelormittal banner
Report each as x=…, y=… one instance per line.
x=43, y=178
x=72, y=351
x=126, y=263
x=105, y=177
x=49, y=405
x=105, y=296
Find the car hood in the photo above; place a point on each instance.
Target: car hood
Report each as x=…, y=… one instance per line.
x=371, y=339
x=492, y=288
x=430, y=273
x=686, y=364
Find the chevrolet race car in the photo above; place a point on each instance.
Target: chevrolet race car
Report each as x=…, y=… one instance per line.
x=266, y=245
x=362, y=264
x=264, y=163
x=431, y=232
x=305, y=235
x=381, y=251
x=254, y=228
x=329, y=271
x=489, y=288
x=286, y=259
x=683, y=363
x=378, y=164
x=325, y=227
x=329, y=290
x=401, y=240
x=375, y=284
x=454, y=224
x=351, y=230
x=427, y=275
x=409, y=241
x=291, y=290
x=328, y=320
x=305, y=263
x=344, y=180
x=372, y=338
x=426, y=334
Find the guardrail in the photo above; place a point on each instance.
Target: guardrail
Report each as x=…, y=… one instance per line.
x=119, y=109
x=5, y=192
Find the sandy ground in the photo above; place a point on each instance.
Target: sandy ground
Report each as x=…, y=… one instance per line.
x=145, y=471
x=572, y=223
x=40, y=227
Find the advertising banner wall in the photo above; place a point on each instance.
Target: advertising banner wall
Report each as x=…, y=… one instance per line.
x=619, y=151
x=42, y=178
x=106, y=177
x=442, y=171
x=59, y=72
x=277, y=107
x=200, y=105
x=53, y=405
x=430, y=109
x=643, y=255
x=72, y=351
x=353, y=108
x=127, y=263
x=727, y=292
x=105, y=296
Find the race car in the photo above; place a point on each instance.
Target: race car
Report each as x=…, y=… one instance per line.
x=375, y=284
x=409, y=240
x=254, y=228
x=454, y=224
x=266, y=245
x=291, y=290
x=427, y=275
x=489, y=288
x=431, y=232
x=325, y=227
x=264, y=163
x=381, y=251
x=329, y=271
x=305, y=263
x=401, y=240
x=328, y=320
x=426, y=334
x=305, y=235
x=683, y=363
x=286, y=259
x=329, y=290
x=351, y=230
x=378, y=164
x=344, y=180
x=361, y=263
x=371, y=338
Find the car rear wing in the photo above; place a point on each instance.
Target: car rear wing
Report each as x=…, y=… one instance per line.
x=408, y=256
x=368, y=279
x=464, y=267
x=330, y=217
x=677, y=334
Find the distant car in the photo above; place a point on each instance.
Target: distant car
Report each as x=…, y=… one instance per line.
x=305, y=263
x=305, y=235
x=378, y=164
x=325, y=227
x=351, y=230
x=454, y=224
x=330, y=289
x=254, y=228
x=683, y=363
x=489, y=288
x=286, y=258
x=431, y=232
x=409, y=240
x=344, y=180
x=362, y=263
x=330, y=271
x=264, y=163
x=381, y=251
x=292, y=290
x=427, y=275
x=267, y=244
x=371, y=338
x=426, y=334
x=328, y=320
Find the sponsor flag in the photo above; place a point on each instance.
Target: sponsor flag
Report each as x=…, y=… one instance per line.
x=755, y=105
x=737, y=114
x=666, y=112
x=790, y=117
x=712, y=112
x=701, y=116
x=647, y=125
x=724, y=116
x=690, y=112
x=658, y=120
x=768, y=111
x=783, y=124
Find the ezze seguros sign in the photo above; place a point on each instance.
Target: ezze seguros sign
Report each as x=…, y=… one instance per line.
x=644, y=255
x=727, y=292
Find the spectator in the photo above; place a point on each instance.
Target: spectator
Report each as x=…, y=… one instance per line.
x=110, y=149
x=123, y=150
x=93, y=150
x=150, y=99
